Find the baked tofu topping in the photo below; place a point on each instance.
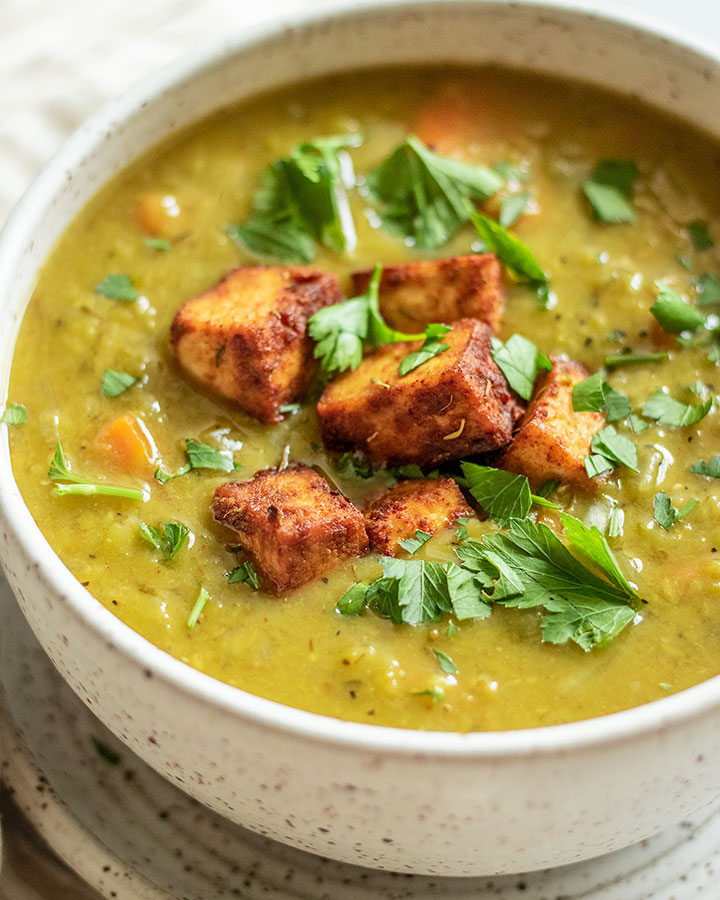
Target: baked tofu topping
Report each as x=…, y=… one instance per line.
x=246, y=338
x=426, y=504
x=456, y=404
x=413, y=295
x=291, y=523
x=553, y=440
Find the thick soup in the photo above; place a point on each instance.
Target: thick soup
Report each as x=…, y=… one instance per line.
x=594, y=209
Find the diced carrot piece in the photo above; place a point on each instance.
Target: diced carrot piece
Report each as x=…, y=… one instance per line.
x=127, y=445
x=159, y=214
x=450, y=120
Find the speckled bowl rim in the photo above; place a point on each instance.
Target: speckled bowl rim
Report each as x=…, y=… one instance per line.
x=667, y=712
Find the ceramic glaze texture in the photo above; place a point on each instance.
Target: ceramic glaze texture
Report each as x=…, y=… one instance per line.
x=445, y=804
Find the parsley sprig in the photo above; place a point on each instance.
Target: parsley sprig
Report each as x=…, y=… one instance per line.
x=78, y=485
x=200, y=456
x=610, y=190
x=520, y=362
x=168, y=540
x=14, y=414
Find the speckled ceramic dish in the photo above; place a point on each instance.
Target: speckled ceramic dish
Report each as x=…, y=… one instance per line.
x=446, y=804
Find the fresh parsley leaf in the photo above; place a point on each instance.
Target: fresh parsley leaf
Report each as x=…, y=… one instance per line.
x=538, y=500
x=353, y=600
x=594, y=394
x=673, y=312
x=169, y=541
x=426, y=197
x=548, y=487
x=446, y=664
x=610, y=190
x=461, y=532
x=511, y=251
x=436, y=692
x=157, y=243
x=614, y=447
x=412, y=545
x=289, y=409
x=711, y=469
x=422, y=588
x=512, y=207
x=202, y=599
x=586, y=621
x=301, y=201
x=708, y=289
x=117, y=287
x=665, y=410
x=80, y=486
x=430, y=348
x=688, y=508
x=615, y=522
x=637, y=424
x=452, y=629
x=412, y=470
x=520, y=362
x=245, y=574
x=200, y=456
x=114, y=383
x=590, y=542
x=699, y=235
x=14, y=414
x=627, y=359
x=665, y=513
x=361, y=468
x=503, y=495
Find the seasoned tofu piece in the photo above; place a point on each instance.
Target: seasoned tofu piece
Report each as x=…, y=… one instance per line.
x=415, y=294
x=291, y=523
x=246, y=337
x=553, y=440
x=422, y=504
x=455, y=404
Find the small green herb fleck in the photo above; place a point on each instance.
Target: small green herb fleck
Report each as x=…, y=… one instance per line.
x=430, y=348
x=711, y=469
x=700, y=236
x=665, y=410
x=520, y=362
x=114, y=383
x=452, y=629
x=202, y=599
x=664, y=686
x=118, y=287
x=665, y=513
x=610, y=190
x=446, y=664
x=200, y=456
x=673, y=312
x=245, y=574
x=289, y=409
x=512, y=207
x=461, y=532
x=355, y=465
x=15, y=414
x=627, y=359
x=436, y=692
x=412, y=545
x=708, y=290
x=80, y=486
x=157, y=243
x=169, y=541
x=615, y=522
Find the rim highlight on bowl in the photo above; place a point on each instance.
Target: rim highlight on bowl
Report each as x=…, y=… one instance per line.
x=440, y=803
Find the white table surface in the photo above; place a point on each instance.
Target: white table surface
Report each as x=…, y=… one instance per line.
x=62, y=59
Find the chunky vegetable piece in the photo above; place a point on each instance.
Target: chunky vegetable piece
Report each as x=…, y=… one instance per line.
x=455, y=404
x=246, y=337
x=127, y=445
x=424, y=505
x=291, y=523
x=553, y=440
x=417, y=294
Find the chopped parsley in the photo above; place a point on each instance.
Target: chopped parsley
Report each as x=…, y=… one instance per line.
x=117, y=287
x=673, y=312
x=14, y=414
x=202, y=599
x=461, y=532
x=665, y=513
x=289, y=409
x=503, y=495
x=361, y=468
x=245, y=574
x=708, y=289
x=520, y=362
x=665, y=410
x=200, y=456
x=512, y=253
x=301, y=201
x=615, y=522
x=610, y=190
x=610, y=449
x=446, y=664
x=710, y=469
x=114, y=383
x=60, y=472
x=157, y=243
x=594, y=394
x=700, y=235
x=413, y=544
x=512, y=207
x=169, y=540
x=627, y=359
x=430, y=348
x=425, y=197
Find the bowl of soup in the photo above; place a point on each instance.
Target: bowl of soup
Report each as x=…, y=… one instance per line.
x=359, y=422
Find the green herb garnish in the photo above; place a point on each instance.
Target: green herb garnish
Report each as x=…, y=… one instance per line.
x=118, y=287
x=610, y=449
x=610, y=190
x=446, y=664
x=503, y=495
x=594, y=394
x=510, y=251
x=665, y=410
x=512, y=207
x=202, y=599
x=301, y=201
x=520, y=362
x=169, y=540
x=80, y=486
x=361, y=468
x=245, y=574
x=200, y=456
x=14, y=414
x=157, y=243
x=430, y=348
x=665, y=513
x=627, y=359
x=289, y=409
x=114, y=383
x=708, y=289
x=426, y=197
x=673, y=312
x=413, y=544
x=710, y=469
x=699, y=235
x=461, y=532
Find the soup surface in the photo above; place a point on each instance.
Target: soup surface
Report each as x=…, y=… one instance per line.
x=297, y=648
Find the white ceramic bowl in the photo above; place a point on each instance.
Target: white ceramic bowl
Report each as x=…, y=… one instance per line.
x=448, y=804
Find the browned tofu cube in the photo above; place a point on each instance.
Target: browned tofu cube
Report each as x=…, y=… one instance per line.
x=291, y=523
x=455, y=404
x=246, y=337
x=415, y=294
x=553, y=440
x=422, y=504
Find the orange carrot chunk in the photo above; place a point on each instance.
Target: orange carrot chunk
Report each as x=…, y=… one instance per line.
x=127, y=445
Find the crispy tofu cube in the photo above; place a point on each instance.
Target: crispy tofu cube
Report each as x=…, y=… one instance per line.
x=415, y=294
x=455, y=404
x=291, y=523
x=553, y=440
x=246, y=337
x=422, y=504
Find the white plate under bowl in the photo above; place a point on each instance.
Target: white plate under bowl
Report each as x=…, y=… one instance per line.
x=132, y=835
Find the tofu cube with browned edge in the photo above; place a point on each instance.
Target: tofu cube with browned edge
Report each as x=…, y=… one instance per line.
x=418, y=504
x=291, y=523
x=553, y=440
x=413, y=295
x=246, y=338
x=456, y=404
